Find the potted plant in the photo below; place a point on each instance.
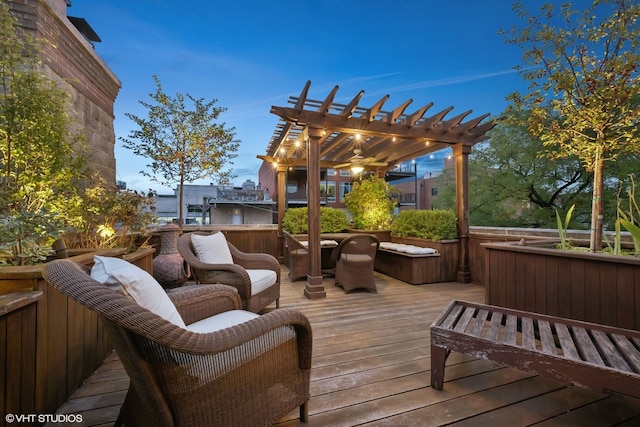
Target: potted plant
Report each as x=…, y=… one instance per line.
x=371, y=203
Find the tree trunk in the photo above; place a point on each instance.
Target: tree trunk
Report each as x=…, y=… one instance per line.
x=596, y=205
x=180, y=199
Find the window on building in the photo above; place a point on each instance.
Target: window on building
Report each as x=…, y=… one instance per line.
x=331, y=172
x=331, y=191
x=434, y=191
x=345, y=188
x=345, y=172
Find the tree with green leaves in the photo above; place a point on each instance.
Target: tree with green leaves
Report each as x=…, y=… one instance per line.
x=184, y=142
x=41, y=160
x=584, y=86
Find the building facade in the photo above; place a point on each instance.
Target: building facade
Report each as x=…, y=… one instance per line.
x=68, y=57
x=216, y=204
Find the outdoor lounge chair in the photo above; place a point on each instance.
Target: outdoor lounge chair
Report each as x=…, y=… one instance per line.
x=250, y=370
x=354, y=258
x=214, y=260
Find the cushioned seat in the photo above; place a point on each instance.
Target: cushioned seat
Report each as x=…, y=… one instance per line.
x=213, y=259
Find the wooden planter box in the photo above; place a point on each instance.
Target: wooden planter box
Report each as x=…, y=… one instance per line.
x=435, y=269
x=51, y=343
x=596, y=288
x=413, y=269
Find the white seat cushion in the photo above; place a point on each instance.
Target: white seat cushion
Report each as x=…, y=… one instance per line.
x=130, y=280
x=261, y=279
x=221, y=321
x=212, y=248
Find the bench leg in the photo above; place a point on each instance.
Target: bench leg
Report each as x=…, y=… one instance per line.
x=438, y=359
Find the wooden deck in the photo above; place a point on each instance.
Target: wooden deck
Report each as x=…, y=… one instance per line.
x=371, y=361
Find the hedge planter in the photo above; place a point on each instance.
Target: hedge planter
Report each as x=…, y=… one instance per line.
x=592, y=287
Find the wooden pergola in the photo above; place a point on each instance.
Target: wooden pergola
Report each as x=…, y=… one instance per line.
x=323, y=134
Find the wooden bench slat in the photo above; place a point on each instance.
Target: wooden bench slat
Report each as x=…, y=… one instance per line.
x=632, y=355
x=478, y=325
x=511, y=329
x=566, y=341
x=567, y=349
x=546, y=337
x=494, y=328
x=452, y=316
x=586, y=346
x=609, y=351
x=528, y=337
x=466, y=317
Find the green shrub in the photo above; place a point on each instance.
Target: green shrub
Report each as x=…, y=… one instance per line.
x=427, y=224
x=332, y=220
x=371, y=203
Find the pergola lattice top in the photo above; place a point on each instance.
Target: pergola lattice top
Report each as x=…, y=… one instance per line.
x=391, y=137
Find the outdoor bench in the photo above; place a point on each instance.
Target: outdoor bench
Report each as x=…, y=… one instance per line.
x=412, y=267
x=589, y=355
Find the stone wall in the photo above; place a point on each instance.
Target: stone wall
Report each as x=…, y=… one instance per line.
x=72, y=61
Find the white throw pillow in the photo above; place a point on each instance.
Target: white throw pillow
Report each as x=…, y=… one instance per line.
x=128, y=279
x=212, y=248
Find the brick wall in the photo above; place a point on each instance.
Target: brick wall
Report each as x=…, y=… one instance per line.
x=71, y=60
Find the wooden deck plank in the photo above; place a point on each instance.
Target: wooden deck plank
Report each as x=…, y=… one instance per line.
x=371, y=364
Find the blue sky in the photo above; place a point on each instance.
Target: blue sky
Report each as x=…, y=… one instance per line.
x=253, y=54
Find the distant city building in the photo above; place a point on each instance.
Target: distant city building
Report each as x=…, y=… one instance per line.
x=217, y=204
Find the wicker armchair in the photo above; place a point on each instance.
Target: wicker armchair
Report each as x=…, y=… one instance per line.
x=248, y=374
x=235, y=274
x=297, y=257
x=354, y=259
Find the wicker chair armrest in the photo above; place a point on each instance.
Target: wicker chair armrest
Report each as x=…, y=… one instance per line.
x=254, y=260
x=293, y=242
x=198, y=302
x=181, y=340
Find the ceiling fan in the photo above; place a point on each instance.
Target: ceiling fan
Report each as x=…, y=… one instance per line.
x=357, y=163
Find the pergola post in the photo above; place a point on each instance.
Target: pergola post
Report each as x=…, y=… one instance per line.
x=281, y=175
x=314, y=289
x=461, y=153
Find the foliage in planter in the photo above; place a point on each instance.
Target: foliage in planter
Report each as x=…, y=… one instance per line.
x=26, y=237
x=433, y=225
x=371, y=203
x=332, y=220
x=41, y=160
x=629, y=218
x=102, y=216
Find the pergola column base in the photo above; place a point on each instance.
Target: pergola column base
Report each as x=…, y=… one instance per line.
x=314, y=289
x=464, y=276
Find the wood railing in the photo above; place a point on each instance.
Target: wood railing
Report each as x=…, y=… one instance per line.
x=49, y=343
